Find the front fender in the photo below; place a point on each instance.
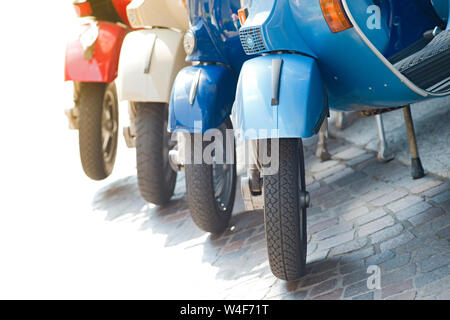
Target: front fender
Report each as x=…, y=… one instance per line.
x=102, y=67
x=149, y=63
x=301, y=105
x=202, y=98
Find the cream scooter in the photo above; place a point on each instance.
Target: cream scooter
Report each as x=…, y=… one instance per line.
x=149, y=61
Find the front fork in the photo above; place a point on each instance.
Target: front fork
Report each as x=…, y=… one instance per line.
x=73, y=114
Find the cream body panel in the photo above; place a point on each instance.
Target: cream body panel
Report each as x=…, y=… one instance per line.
x=161, y=13
x=149, y=62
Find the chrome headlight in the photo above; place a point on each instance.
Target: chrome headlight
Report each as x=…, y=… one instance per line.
x=189, y=42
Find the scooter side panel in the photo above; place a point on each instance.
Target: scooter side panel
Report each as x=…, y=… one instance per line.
x=149, y=63
x=211, y=90
x=302, y=98
x=104, y=63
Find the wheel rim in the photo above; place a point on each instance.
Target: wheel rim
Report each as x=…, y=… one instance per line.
x=223, y=175
x=302, y=188
x=223, y=185
x=168, y=145
x=109, y=126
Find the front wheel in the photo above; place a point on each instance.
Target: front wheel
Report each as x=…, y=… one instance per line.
x=156, y=179
x=211, y=187
x=98, y=128
x=285, y=202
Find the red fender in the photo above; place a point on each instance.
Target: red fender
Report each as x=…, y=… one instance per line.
x=121, y=8
x=105, y=59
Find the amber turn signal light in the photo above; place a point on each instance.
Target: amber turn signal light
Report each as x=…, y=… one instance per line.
x=335, y=15
x=243, y=14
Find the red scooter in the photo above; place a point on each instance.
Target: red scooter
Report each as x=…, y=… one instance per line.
x=91, y=63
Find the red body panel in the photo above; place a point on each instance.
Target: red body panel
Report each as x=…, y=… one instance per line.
x=104, y=63
x=83, y=9
x=121, y=8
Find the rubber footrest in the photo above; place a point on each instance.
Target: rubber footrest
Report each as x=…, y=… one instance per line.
x=431, y=65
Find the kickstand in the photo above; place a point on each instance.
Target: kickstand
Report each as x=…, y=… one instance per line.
x=322, y=149
x=417, y=171
x=384, y=155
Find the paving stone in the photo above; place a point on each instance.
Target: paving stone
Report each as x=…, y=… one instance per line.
x=233, y=247
x=298, y=295
x=311, y=248
x=380, y=258
x=323, y=287
x=388, y=198
x=322, y=190
x=426, y=216
x=242, y=235
x=352, y=267
x=404, y=203
x=357, y=255
x=429, y=277
x=336, y=240
x=409, y=295
x=437, y=190
x=326, y=265
x=375, y=226
x=412, y=211
x=356, y=289
x=371, y=216
x=397, y=241
x=398, y=275
x=314, y=279
x=350, y=153
x=435, y=262
x=442, y=197
x=355, y=213
x=381, y=192
x=317, y=227
x=365, y=296
x=355, y=277
x=444, y=233
x=397, y=262
x=334, y=295
x=333, y=231
x=386, y=233
x=445, y=295
x=333, y=199
x=346, y=179
x=317, y=256
x=435, y=288
x=321, y=166
x=348, y=246
x=396, y=289
x=432, y=226
x=425, y=185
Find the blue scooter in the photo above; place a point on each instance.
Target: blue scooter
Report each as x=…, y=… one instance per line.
x=367, y=55
x=201, y=101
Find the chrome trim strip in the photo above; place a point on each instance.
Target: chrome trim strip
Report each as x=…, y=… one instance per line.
x=194, y=86
x=402, y=78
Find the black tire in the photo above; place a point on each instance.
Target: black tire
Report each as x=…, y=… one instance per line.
x=284, y=218
x=156, y=178
x=209, y=213
x=98, y=128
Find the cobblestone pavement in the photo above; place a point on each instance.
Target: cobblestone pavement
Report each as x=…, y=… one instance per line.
x=363, y=213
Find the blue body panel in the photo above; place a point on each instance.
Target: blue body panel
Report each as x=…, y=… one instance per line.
x=301, y=105
x=354, y=76
x=213, y=100
x=216, y=28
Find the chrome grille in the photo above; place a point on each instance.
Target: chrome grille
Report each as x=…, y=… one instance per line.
x=252, y=40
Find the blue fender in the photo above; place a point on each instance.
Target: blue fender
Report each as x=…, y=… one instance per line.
x=301, y=105
x=201, y=94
